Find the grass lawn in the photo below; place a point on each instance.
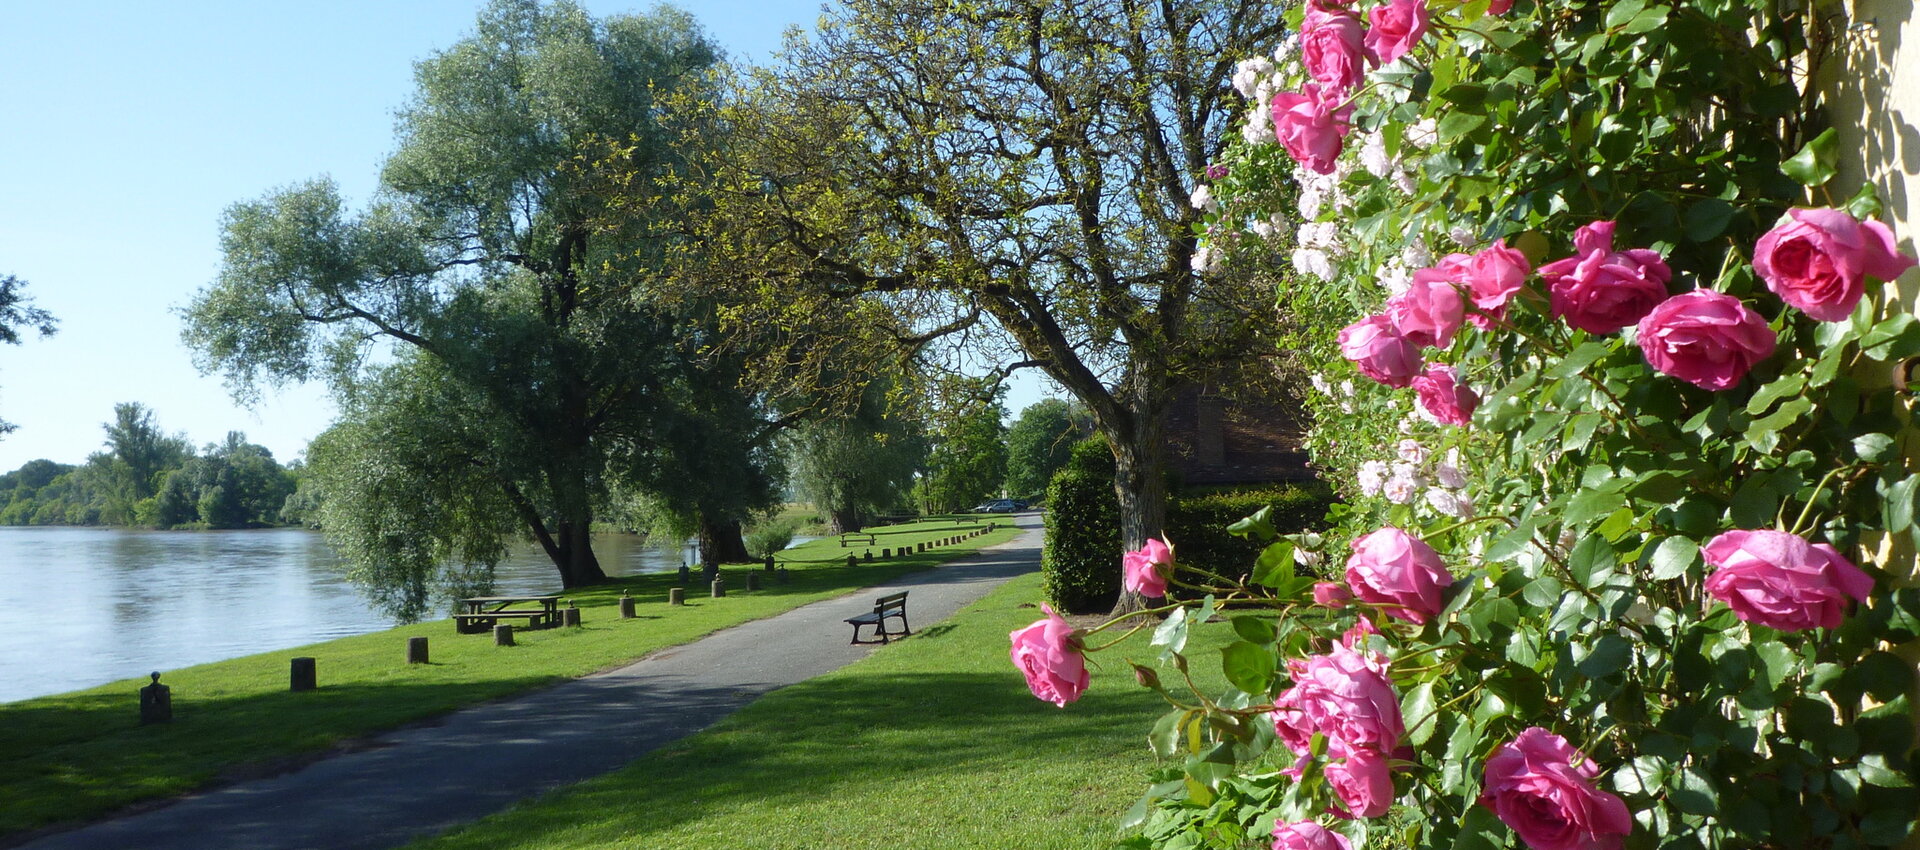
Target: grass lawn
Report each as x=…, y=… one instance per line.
x=933, y=742
x=81, y=755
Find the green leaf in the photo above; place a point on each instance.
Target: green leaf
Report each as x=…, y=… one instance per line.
x=1172, y=632
x=1256, y=629
x=1458, y=124
x=1864, y=204
x=1619, y=14
x=1608, y=656
x=1873, y=448
x=1898, y=507
x=1707, y=219
x=1275, y=565
x=1259, y=526
x=1249, y=666
x=1767, y=395
x=1692, y=792
x=1513, y=542
x=1578, y=359
x=1648, y=20
x=1816, y=163
x=1164, y=738
x=1418, y=707
x=1591, y=560
x=1674, y=557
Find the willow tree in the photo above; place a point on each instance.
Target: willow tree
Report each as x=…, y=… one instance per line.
x=1013, y=175
x=487, y=256
x=17, y=313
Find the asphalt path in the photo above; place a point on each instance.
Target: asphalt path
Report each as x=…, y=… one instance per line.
x=425, y=779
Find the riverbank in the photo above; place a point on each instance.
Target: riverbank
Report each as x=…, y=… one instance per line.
x=79, y=756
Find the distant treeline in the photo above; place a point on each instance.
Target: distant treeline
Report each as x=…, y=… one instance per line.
x=149, y=479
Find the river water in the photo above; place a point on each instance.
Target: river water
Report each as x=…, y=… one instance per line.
x=88, y=606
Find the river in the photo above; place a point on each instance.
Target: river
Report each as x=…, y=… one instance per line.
x=88, y=606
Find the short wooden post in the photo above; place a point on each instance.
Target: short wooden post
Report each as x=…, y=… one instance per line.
x=156, y=702
x=753, y=581
x=852, y=561
x=886, y=553
x=416, y=650
x=503, y=634
x=304, y=675
x=719, y=588
x=867, y=556
x=626, y=607
x=769, y=563
x=781, y=574
x=686, y=574
x=676, y=596
x=571, y=615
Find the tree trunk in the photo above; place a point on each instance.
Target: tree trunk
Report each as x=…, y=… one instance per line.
x=842, y=522
x=573, y=554
x=721, y=541
x=1140, y=483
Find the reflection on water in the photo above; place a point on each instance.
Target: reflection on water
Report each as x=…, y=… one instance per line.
x=93, y=605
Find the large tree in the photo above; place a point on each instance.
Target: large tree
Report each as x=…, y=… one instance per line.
x=487, y=262
x=1017, y=165
x=138, y=455
x=1039, y=443
x=17, y=313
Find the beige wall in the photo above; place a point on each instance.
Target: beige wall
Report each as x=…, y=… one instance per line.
x=1872, y=79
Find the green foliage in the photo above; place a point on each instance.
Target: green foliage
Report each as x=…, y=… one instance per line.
x=855, y=467
x=1039, y=443
x=1080, y=564
x=968, y=459
x=1197, y=521
x=17, y=313
x=769, y=537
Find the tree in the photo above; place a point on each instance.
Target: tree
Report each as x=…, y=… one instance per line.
x=138, y=456
x=853, y=467
x=489, y=265
x=968, y=459
x=1025, y=163
x=16, y=313
x=1039, y=444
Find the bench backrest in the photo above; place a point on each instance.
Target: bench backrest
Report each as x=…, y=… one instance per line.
x=892, y=600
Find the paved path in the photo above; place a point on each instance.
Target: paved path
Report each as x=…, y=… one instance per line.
x=422, y=780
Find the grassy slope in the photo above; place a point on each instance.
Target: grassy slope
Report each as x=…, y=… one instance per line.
x=931, y=743
x=81, y=755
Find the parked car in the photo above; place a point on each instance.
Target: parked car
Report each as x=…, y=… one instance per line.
x=997, y=506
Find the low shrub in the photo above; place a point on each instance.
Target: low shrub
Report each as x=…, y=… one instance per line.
x=769, y=538
x=1197, y=521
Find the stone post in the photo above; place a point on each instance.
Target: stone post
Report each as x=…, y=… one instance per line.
x=719, y=588
x=686, y=574
x=626, y=607
x=886, y=553
x=570, y=615
x=852, y=561
x=769, y=563
x=867, y=556
x=156, y=702
x=503, y=634
x=416, y=650
x=676, y=596
x=305, y=677
x=753, y=581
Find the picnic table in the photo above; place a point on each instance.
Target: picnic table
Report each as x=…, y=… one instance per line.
x=485, y=611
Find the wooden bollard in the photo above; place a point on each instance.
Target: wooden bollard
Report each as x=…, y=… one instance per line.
x=570, y=615
x=626, y=607
x=719, y=588
x=676, y=596
x=416, y=650
x=503, y=634
x=886, y=553
x=686, y=574
x=852, y=561
x=753, y=581
x=304, y=675
x=781, y=575
x=156, y=702
x=867, y=556
x=769, y=563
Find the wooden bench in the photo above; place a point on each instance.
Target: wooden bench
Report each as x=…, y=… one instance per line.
x=468, y=624
x=891, y=605
x=866, y=536
x=485, y=611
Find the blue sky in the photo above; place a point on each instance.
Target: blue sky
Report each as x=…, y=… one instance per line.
x=130, y=126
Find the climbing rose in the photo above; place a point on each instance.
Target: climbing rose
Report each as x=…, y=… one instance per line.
x=1534, y=785
x=1331, y=594
x=1140, y=569
x=1493, y=275
x=1443, y=397
x=1781, y=581
x=1332, y=48
x=1397, y=27
x=1705, y=338
x=1428, y=313
x=1049, y=656
x=1307, y=835
x=1362, y=782
x=1356, y=637
x=1343, y=695
x=1819, y=260
x=1398, y=572
x=1311, y=126
x=1600, y=290
x=1380, y=351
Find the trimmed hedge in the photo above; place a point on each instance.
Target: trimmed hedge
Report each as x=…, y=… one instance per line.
x=1197, y=521
x=1080, y=563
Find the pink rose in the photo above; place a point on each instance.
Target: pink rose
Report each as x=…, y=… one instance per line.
x=1380, y=351
x=1600, y=290
x=1397, y=27
x=1428, y=313
x=1443, y=397
x=1398, y=572
x=1705, y=338
x=1311, y=126
x=1343, y=695
x=1362, y=782
x=1331, y=594
x=1542, y=787
x=1781, y=581
x=1331, y=47
x=1049, y=656
x=1819, y=261
x=1307, y=835
x=1492, y=276
x=1500, y=7
x=1140, y=569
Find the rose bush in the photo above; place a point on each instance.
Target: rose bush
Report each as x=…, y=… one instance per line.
x=1643, y=584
